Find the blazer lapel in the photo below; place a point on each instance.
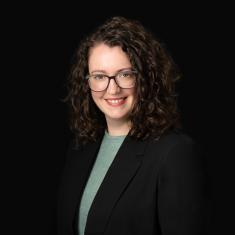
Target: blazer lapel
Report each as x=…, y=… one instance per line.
x=123, y=168
x=81, y=165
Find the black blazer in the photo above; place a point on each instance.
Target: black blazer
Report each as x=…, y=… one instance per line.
x=151, y=187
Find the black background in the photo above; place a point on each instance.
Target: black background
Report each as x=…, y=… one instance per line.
x=40, y=40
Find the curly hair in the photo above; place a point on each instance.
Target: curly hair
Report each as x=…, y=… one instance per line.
x=155, y=109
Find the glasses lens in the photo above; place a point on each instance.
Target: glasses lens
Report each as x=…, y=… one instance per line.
x=126, y=79
x=98, y=82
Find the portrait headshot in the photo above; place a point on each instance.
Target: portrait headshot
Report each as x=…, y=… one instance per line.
x=130, y=167
x=119, y=119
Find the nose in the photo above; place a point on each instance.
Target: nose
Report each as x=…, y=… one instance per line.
x=113, y=88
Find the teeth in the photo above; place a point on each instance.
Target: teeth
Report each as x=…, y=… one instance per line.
x=115, y=101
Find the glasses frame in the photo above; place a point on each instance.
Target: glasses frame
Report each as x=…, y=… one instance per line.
x=114, y=78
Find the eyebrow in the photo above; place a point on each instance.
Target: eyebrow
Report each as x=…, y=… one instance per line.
x=103, y=71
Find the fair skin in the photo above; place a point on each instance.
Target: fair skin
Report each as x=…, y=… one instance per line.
x=116, y=103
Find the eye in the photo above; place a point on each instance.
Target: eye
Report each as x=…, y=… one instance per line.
x=98, y=77
x=125, y=74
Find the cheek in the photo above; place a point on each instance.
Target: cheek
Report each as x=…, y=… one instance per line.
x=132, y=93
x=96, y=96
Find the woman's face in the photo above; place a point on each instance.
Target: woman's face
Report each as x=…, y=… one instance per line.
x=116, y=103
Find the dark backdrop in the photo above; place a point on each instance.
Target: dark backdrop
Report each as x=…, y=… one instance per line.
x=41, y=41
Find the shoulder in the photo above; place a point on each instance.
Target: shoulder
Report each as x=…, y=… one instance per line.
x=173, y=140
x=176, y=148
x=180, y=152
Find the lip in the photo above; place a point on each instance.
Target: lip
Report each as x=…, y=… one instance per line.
x=115, y=102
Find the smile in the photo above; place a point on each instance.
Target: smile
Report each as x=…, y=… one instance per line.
x=116, y=102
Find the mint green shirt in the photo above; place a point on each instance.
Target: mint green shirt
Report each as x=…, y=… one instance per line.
x=107, y=152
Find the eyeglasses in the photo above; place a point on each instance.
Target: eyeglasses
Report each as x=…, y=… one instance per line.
x=125, y=79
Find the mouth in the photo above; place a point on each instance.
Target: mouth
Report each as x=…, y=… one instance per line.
x=116, y=101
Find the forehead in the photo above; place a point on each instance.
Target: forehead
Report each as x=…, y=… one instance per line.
x=104, y=57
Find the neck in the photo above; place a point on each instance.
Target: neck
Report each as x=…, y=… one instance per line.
x=117, y=128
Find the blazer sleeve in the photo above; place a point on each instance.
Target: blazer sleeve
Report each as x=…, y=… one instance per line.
x=182, y=190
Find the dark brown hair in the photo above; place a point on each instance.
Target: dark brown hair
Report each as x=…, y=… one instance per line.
x=155, y=109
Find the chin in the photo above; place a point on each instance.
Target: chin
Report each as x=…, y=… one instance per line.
x=117, y=117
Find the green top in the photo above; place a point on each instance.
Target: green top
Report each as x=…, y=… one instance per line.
x=107, y=152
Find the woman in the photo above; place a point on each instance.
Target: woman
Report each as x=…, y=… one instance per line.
x=129, y=169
